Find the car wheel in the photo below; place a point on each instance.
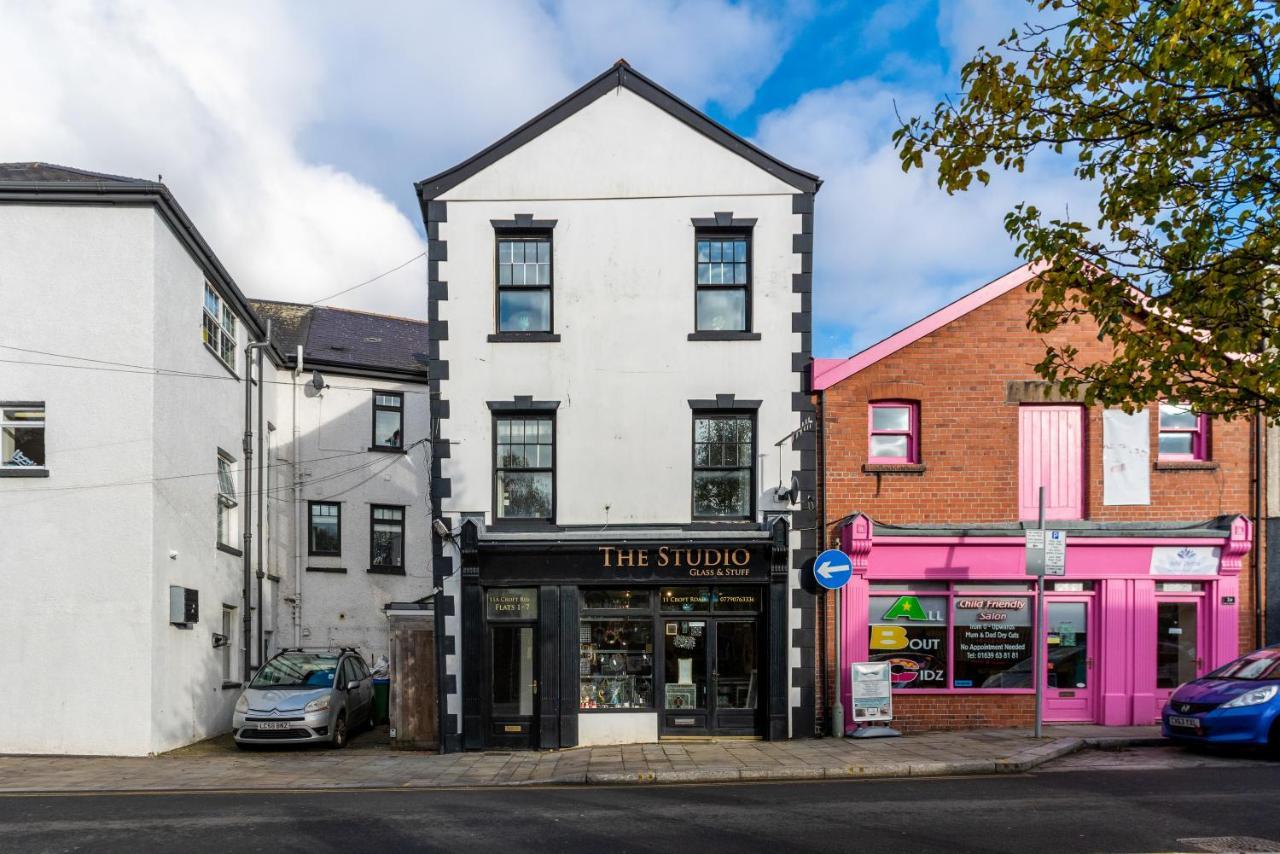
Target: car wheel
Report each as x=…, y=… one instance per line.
x=340, y=732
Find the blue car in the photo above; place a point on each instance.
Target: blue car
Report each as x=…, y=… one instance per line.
x=1236, y=704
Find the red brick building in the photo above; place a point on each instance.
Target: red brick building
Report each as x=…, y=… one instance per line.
x=937, y=439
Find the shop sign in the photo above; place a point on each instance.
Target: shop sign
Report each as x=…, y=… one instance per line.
x=1185, y=560
x=694, y=561
x=909, y=634
x=872, y=689
x=510, y=603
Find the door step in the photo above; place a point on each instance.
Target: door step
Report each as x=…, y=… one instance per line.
x=708, y=739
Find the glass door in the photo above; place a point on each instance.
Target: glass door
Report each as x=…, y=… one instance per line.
x=513, y=684
x=1179, y=649
x=736, y=677
x=1069, y=672
x=685, y=645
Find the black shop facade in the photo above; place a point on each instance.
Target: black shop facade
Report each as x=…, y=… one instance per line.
x=580, y=638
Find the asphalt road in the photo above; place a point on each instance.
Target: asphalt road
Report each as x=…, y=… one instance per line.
x=1068, y=810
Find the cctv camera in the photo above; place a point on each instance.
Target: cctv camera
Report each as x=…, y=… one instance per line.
x=441, y=529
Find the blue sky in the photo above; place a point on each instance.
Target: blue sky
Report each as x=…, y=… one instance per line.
x=292, y=131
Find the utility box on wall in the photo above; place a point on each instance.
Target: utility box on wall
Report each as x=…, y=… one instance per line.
x=184, y=606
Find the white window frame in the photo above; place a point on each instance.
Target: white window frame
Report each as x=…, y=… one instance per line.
x=7, y=464
x=218, y=327
x=228, y=647
x=227, y=529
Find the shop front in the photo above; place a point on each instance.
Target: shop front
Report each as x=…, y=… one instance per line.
x=572, y=640
x=1139, y=610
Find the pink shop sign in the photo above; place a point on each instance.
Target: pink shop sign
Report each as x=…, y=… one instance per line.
x=1185, y=560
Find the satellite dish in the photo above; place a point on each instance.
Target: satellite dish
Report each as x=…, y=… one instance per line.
x=317, y=381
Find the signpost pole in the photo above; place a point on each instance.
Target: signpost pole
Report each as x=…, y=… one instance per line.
x=837, y=708
x=1038, y=645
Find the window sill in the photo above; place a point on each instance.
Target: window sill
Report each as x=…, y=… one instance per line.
x=1186, y=465
x=231, y=550
x=385, y=570
x=326, y=569
x=893, y=468
x=710, y=335
x=218, y=359
x=517, y=337
x=226, y=685
x=378, y=450
x=24, y=471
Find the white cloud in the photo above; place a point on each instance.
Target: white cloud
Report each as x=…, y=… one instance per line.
x=891, y=247
x=292, y=133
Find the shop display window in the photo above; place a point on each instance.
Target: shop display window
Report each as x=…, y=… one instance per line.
x=968, y=636
x=616, y=664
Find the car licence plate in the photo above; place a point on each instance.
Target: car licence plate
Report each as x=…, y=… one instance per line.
x=1189, y=723
x=274, y=725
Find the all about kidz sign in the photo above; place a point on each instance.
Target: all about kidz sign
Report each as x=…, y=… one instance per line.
x=990, y=640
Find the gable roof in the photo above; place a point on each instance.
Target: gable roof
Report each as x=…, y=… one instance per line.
x=828, y=372
x=619, y=74
x=345, y=339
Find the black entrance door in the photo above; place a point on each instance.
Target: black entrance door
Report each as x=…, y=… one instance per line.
x=513, y=684
x=711, y=676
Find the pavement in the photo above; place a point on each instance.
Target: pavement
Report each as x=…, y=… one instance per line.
x=369, y=764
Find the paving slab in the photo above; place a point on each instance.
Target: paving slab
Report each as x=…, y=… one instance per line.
x=205, y=768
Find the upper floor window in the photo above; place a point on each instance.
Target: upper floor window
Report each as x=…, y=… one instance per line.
x=388, y=420
x=524, y=283
x=1184, y=434
x=22, y=436
x=524, y=467
x=226, y=500
x=894, y=434
x=723, y=275
x=219, y=327
x=324, y=536
x=386, y=538
x=723, y=466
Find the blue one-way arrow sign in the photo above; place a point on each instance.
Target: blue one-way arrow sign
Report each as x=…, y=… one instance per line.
x=832, y=569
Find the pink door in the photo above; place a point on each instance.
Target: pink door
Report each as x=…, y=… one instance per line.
x=1051, y=454
x=1180, y=646
x=1069, y=674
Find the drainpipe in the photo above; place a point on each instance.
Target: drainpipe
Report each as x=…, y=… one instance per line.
x=1259, y=520
x=262, y=495
x=297, y=507
x=247, y=516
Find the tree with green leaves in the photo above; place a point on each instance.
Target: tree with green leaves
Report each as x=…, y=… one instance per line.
x=1170, y=108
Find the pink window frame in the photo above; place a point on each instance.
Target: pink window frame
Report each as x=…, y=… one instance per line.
x=1199, y=439
x=1014, y=589
x=912, y=432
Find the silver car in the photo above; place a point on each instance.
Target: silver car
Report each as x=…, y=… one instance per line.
x=302, y=696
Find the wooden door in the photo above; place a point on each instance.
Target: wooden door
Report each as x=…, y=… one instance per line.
x=1051, y=454
x=414, y=714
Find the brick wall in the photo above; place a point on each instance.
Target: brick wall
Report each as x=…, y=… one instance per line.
x=969, y=448
x=934, y=712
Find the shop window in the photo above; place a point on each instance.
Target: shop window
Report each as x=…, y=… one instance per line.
x=723, y=466
x=993, y=642
x=894, y=432
x=723, y=273
x=325, y=531
x=388, y=420
x=613, y=599
x=218, y=327
x=615, y=664
x=386, y=539
x=21, y=437
x=524, y=464
x=524, y=283
x=910, y=632
x=1184, y=434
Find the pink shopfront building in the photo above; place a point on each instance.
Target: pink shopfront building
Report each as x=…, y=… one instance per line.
x=934, y=445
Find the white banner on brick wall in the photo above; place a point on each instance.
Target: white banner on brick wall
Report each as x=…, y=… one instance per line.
x=1126, y=458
